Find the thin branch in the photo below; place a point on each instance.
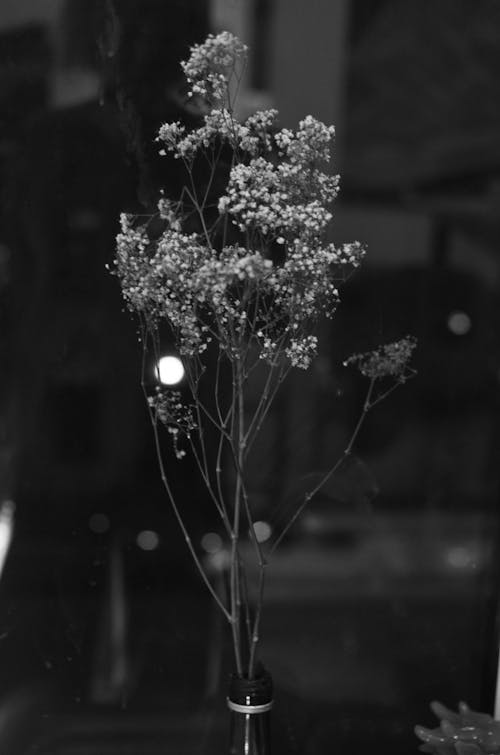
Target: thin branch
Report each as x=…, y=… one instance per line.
x=326, y=477
x=176, y=509
x=366, y=409
x=256, y=624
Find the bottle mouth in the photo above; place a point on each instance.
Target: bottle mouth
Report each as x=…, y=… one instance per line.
x=251, y=695
x=249, y=709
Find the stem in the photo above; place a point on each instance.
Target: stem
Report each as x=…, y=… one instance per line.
x=366, y=408
x=235, y=582
x=218, y=502
x=203, y=462
x=263, y=408
x=347, y=451
x=213, y=165
x=246, y=603
x=409, y=374
x=256, y=624
x=166, y=483
x=254, y=635
x=194, y=199
x=181, y=522
x=235, y=603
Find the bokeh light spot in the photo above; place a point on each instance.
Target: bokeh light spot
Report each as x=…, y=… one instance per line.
x=170, y=370
x=460, y=557
x=148, y=540
x=211, y=542
x=459, y=323
x=99, y=523
x=262, y=530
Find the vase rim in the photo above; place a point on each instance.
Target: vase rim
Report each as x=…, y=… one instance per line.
x=251, y=692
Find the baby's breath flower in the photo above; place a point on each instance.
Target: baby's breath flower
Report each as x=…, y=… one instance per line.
x=310, y=143
x=168, y=212
x=351, y=253
x=255, y=291
x=189, y=279
x=390, y=360
x=169, y=409
x=170, y=134
x=301, y=352
x=252, y=137
x=211, y=64
x=255, y=134
x=269, y=350
x=279, y=200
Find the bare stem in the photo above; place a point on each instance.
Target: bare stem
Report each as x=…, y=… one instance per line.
x=181, y=522
x=366, y=408
x=235, y=580
x=235, y=604
x=263, y=409
x=256, y=624
x=202, y=462
x=331, y=471
x=153, y=419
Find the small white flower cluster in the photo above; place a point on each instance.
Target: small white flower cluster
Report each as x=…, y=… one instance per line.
x=211, y=64
x=310, y=144
x=252, y=137
x=174, y=414
x=227, y=286
x=208, y=289
x=350, y=253
x=390, y=360
x=279, y=200
x=132, y=260
x=290, y=198
x=168, y=211
x=158, y=285
x=305, y=284
x=170, y=134
x=301, y=352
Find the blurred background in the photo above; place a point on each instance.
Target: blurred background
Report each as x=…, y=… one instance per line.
x=385, y=594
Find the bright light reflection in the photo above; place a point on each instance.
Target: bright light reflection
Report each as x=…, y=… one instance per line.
x=170, y=370
x=459, y=323
x=6, y=530
x=148, y=540
x=263, y=531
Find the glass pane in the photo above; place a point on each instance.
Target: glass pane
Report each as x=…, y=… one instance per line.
x=383, y=594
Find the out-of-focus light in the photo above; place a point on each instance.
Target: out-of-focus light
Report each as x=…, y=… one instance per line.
x=262, y=530
x=148, y=540
x=7, y=509
x=460, y=557
x=459, y=323
x=220, y=561
x=99, y=523
x=313, y=524
x=170, y=370
x=211, y=542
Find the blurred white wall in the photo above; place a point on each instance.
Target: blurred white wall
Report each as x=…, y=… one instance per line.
x=20, y=12
x=308, y=64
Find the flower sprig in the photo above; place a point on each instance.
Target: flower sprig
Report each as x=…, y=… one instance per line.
x=167, y=407
x=276, y=193
x=212, y=64
x=389, y=360
x=240, y=267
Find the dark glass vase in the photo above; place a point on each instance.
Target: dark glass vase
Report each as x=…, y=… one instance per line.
x=250, y=703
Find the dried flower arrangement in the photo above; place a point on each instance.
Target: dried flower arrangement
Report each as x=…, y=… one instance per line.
x=242, y=277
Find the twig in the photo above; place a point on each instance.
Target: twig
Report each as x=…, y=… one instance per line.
x=326, y=477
